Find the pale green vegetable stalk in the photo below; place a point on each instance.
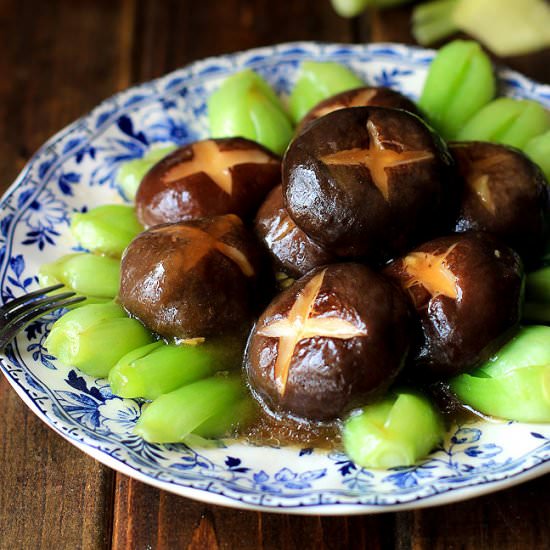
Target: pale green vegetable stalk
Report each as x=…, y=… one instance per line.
x=511, y=27
x=397, y=431
x=538, y=149
x=160, y=368
x=537, y=296
x=352, y=8
x=460, y=82
x=515, y=383
x=94, y=337
x=536, y=313
x=509, y=121
x=225, y=422
x=317, y=81
x=246, y=106
x=433, y=21
x=106, y=229
x=95, y=277
x=131, y=173
x=173, y=416
x=507, y=27
x=349, y=8
x=537, y=286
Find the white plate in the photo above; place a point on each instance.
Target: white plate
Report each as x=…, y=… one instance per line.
x=76, y=169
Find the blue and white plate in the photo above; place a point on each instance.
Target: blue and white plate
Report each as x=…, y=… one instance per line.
x=76, y=170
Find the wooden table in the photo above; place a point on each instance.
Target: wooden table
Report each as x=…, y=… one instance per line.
x=58, y=59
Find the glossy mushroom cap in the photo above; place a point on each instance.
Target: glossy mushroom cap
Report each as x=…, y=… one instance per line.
x=291, y=250
x=368, y=96
x=467, y=291
x=207, y=178
x=336, y=337
x=368, y=182
x=191, y=279
x=504, y=193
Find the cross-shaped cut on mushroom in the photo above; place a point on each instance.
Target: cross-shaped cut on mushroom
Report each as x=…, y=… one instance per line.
x=201, y=242
x=216, y=164
x=300, y=324
x=358, y=100
x=477, y=179
x=432, y=272
x=376, y=158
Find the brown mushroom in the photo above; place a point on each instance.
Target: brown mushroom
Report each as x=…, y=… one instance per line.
x=368, y=182
x=207, y=178
x=505, y=193
x=191, y=279
x=359, y=97
x=337, y=337
x=467, y=290
x=291, y=250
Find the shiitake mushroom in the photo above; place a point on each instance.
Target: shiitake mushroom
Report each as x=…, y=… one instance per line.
x=368, y=182
x=207, y=178
x=336, y=337
x=504, y=193
x=191, y=279
x=291, y=250
x=467, y=290
x=358, y=97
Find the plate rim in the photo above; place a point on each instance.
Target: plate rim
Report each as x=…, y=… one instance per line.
x=344, y=509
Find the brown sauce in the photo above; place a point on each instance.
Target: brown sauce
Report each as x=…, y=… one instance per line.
x=270, y=431
x=451, y=408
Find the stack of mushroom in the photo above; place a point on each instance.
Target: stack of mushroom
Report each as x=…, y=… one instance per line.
x=401, y=254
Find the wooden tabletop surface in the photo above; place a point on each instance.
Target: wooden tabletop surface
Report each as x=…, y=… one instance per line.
x=58, y=59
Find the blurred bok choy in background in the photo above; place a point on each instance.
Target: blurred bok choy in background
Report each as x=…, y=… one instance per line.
x=506, y=27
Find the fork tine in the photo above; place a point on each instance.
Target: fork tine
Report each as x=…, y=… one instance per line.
x=34, y=304
x=15, y=324
x=26, y=298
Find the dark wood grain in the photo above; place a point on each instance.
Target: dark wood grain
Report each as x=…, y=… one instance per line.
x=148, y=518
x=56, y=63
x=390, y=25
x=59, y=58
x=172, y=33
x=51, y=494
x=514, y=519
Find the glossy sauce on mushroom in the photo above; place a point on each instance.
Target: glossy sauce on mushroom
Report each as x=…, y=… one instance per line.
x=337, y=334
x=368, y=182
x=192, y=279
x=207, y=178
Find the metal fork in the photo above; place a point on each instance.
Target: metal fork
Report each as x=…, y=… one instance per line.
x=15, y=314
